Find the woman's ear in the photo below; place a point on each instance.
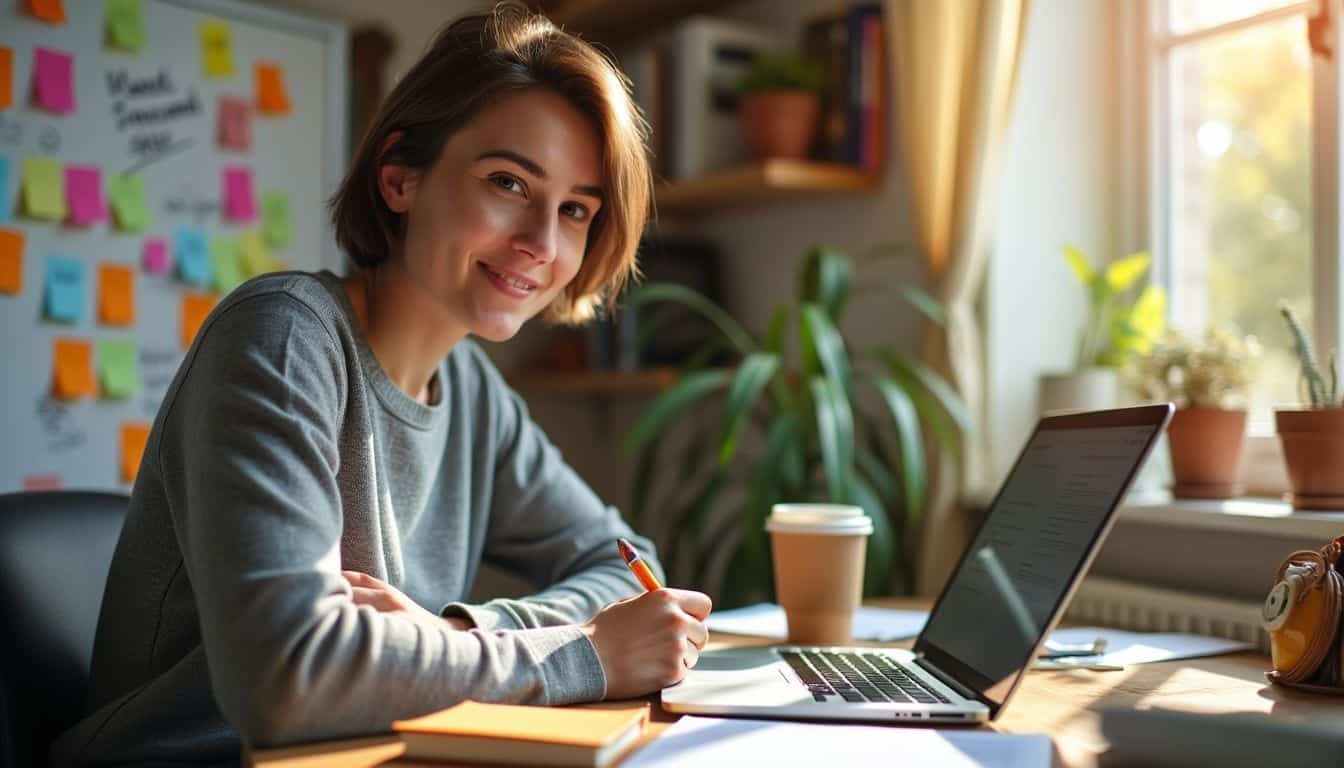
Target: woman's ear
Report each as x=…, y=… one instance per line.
x=396, y=183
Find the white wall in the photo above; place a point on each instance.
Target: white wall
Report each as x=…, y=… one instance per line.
x=1058, y=187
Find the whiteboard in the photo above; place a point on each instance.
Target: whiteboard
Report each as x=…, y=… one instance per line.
x=46, y=441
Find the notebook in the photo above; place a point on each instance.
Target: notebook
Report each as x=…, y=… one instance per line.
x=523, y=735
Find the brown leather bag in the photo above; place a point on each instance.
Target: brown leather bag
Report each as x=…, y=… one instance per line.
x=1302, y=615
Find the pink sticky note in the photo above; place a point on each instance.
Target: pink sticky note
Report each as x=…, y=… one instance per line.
x=235, y=122
x=53, y=80
x=239, y=204
x=156, y=256
x=84, y=195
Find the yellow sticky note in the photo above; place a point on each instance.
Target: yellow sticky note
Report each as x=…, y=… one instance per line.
x=11, y=261
x=195, y=308
x=6, y=78
x=125, y=25
x=50, y=11
x=272, y=98
x=73, y=374
x=116, y=294
x=216, y=51
x=118, y=371
x=43, y=188
x=134, y=438
x=254, y=254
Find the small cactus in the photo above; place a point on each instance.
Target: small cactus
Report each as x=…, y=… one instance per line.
x=1321, y=394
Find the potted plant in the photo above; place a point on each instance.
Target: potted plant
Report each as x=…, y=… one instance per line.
x=803, y=419
x=1119, y=325
x=780, y=105
x=1313, y=437
x=1208, y=380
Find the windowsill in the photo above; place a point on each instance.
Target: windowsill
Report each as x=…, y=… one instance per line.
x=1242, y=515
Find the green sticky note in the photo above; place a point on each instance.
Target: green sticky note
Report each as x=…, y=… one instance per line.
x=43, y=188
x=125, y=28
x=127, y=194
x=224, y=259
x=119, y=373
x=275, y=224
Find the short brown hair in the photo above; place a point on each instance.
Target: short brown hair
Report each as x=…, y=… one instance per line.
x=472, y=62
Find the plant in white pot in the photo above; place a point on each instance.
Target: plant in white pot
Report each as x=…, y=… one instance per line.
x=1313, y=437
x=1119, y=325
x=1208, y=379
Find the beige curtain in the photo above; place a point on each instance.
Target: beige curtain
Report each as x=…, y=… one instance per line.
x=955, y=62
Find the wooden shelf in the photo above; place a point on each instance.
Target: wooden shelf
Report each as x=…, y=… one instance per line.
x=620, y=21
x=769, y=181
x=593, y=382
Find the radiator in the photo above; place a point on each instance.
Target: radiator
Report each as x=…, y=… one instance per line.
x=1141, y=608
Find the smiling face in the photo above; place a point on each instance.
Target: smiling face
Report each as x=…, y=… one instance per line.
x=497, y=227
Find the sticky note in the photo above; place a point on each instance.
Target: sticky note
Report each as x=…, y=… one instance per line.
x=119, y=375
x=275, y=224
x=195, y=308
x=128, y=202
x=239, y=204
x=42, y=482
x=234, y=127
x=255, y=257
x=272, y=98
x=6, y=77
x=193, y=262
x=6, y=199
x=53, y=80
x=216, y=51
x=224, y=259
x=64, y=298
x=156, y=258
x=72, y=375
x=11, y=261
x=134, y=438
x=84, y=195
x=50, y=11
x=43, y=188
x=116, y=294
x=125, y=25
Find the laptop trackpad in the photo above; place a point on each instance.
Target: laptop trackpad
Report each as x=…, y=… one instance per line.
x=736, y=659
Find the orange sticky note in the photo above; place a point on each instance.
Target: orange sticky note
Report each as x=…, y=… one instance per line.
x=134, y=438
x=272, y=99
x=195, y=308
x=11, y=261
x=73, y=374
x=6, y=78
x=50, y=11
x=116, y=294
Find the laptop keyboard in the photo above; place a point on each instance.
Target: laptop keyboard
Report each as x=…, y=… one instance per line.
x=858, y=677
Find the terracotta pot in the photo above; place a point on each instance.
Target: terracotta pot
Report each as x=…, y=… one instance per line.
x=1313, y=451
x=780, y=123
x=1206, y=452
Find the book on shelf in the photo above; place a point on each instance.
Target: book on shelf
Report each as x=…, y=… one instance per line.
x=849, y=46
x=516, y=734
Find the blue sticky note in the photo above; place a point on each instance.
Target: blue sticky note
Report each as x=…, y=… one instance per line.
x=65, y=289
x=6, y=199
x=193, y=260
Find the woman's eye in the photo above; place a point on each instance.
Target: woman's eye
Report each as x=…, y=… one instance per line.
x=576, y=211
x=507, y=183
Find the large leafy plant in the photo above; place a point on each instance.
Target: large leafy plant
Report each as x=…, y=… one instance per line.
x=803, y=418
x=1119, y=325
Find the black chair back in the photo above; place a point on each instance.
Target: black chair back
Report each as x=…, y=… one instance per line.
x=55, y=551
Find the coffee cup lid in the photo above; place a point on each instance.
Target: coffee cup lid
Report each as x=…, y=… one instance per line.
x=826, y=519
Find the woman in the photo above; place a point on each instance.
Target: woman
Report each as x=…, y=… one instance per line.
x=335, y=459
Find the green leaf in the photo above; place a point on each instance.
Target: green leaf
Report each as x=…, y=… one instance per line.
x=875, y=468
x=774, y=337
x=835, y=432
x=881, y=549
x=827, y=274
x=1081, y=269
x=914, y=472
x=926, y=304
x=670, y=403
x=823, y=342
x=729, y=327
x=917, y=372
x=752, y=376
x=1122, y=274
x=686, y=521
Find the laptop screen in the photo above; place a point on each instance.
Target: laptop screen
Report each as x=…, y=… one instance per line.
x=1034, y=545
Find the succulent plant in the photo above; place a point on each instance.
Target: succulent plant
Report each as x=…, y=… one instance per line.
x=1320, y=392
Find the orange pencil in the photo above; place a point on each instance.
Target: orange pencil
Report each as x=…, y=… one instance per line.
x=637, y=565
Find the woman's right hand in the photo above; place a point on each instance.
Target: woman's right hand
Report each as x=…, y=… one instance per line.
x=647, y=642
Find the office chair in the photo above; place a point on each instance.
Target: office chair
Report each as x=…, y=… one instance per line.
x=55, y=551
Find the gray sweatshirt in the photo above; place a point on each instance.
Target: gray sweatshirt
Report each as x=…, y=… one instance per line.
x=283, y=454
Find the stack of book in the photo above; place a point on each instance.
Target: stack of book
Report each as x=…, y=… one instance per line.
x=850, y=47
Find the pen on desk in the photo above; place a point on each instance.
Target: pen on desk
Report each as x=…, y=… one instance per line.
x=637, y=565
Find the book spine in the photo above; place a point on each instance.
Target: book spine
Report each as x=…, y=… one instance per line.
x=854, y=83
x=872, y=131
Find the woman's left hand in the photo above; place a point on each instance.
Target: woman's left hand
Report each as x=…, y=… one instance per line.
x=384, y=597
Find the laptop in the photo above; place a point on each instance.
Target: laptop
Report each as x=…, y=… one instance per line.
x=1008, y=591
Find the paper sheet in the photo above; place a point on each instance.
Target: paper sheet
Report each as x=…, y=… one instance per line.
x=134, y=437
x=6, y=77
x=216, y=50
x=53, y=80
x=11, y=261
x=116, y=294
x=705, y=742
x=234, y=129
x=84, y=195
x=128, y=202
x=767, y=620
x=275, y=222
x=50, y=11
x=195, y=308
x=6, y=201
x=256, y=259
x=1124, y=648
x=239, y=204
x=64, y=286
x=272, y=98
x=119, y=373
x=125, y=25
x=193, y=262
x=43, y=189
x=73, y=374
x=224, y=260
x=157, y=261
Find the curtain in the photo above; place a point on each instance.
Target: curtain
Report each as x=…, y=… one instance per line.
x=956, y=64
